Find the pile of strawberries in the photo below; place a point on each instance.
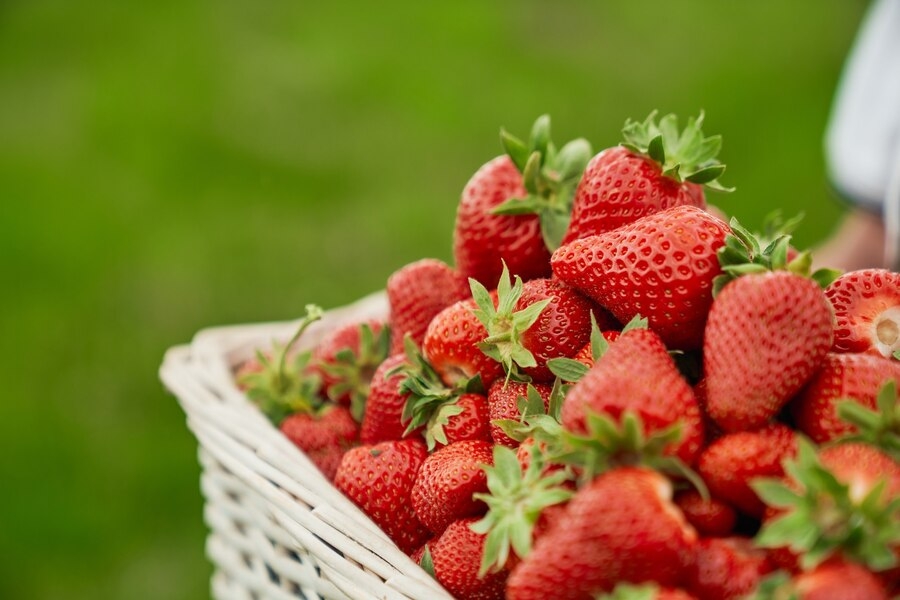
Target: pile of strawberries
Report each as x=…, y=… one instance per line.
x=613, y=392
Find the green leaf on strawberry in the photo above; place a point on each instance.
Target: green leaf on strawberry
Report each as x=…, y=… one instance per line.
x=352, y=371
x=282, y=387
x=515, y=502
x=549, y=176
x=683, y=155
x=536, y=421
x=823, y=515
x=430, y=402
x=628, y=591
x=880, y=427
x=505, y=325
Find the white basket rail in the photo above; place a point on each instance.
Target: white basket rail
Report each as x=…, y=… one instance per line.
x=278, y=528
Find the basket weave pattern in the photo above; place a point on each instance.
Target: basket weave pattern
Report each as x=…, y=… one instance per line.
x=278, y=528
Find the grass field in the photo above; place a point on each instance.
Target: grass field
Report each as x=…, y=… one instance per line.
x=167, y=166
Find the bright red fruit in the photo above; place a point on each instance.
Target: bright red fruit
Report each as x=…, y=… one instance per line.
x=444, y=486
x=842, y=377
x=451, y=346
x=472, y=423
x=660, y=267
x=503, y=403
x=503, y=217
x=767, y=334
x=657, y=168
x=416, y=293
x=384, y=406
x=456, y=555
x=637, y=375
x=323, y=436
x=346, y=359
x=867, y=311
x=621, y=527
x=379, y=479
x=730, y=463
x=711, y=517
x=838, y=581
x=727, y=568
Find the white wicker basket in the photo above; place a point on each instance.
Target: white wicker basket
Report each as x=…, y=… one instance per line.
x=278, y=528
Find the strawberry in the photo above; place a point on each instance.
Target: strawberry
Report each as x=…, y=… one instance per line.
x=620, y=527
x=531, y=323
x=834, y=580
x=454, y=558
x=843, y=376
x=323, y=436
x=379, y=479
x=446, y=482
x=519, y=501
x=382, y=420
x=838, y=502
x=416, y=293
x=710, y=516
x=867, y=311
x=278, y=380
x=451, y=346
x=727, y=568
x=661, y=267
x=516, y=207
x=657, y=168
x=637, y=375
x=839, y=581
x=443, y=414
x=730, y=463
x=503, y=404
x=767, y=333
x=346, y=359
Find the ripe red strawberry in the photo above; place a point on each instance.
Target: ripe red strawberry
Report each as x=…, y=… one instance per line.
x=451, y=346
x=660, y=267
x=384, y=406
x=727, y=568
x=843, y=376
x=621, y=527
x=393, y=467
x=455, y=558
x=657, y=168
x=867, y=311
x=503, y=404
x=416, y=293
x=473, y=422
x=730, y=463
x=767, y=334
x=838, y=581
x=323, y=436
x=346, y=359
x=838, y=502
x=637, y=375
x=505, y=216
x=710, y=516
x=446, y=482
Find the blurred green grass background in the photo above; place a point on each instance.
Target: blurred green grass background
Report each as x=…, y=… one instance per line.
x=167, y=166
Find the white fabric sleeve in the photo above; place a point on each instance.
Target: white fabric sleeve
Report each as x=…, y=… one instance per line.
x=862, y=143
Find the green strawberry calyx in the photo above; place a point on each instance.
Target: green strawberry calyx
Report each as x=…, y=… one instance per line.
x=630, y=591
x=823, y=516
x=745, y=253
x=549, y=176
x=682, y=155
x=515, y=501
x=283, y=385
x=536, y=421
x=430, y=403
x=505, y=325
x=352, y=371
x=615, y=442
x=879, y=427
x=571, y=370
